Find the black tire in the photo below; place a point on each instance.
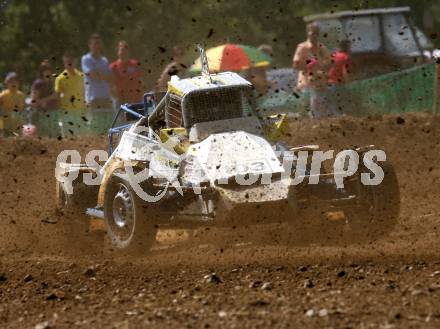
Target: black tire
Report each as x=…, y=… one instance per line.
x=313, y=227
x=130, y=222
x=75, y=224
x=258, y=233
x=375, y=216
x=380, y=208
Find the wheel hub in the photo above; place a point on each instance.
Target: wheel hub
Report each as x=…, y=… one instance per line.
x=123, y=212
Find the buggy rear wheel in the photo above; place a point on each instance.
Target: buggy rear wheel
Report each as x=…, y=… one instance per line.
x=379, y=208
x=373, y=216
x=75, y=223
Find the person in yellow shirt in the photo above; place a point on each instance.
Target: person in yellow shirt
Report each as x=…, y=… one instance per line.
x=69, y=85
x=12, y=103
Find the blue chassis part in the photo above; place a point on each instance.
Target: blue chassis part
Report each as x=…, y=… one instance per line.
x=147, y=106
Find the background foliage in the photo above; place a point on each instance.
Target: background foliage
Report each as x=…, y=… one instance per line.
x=34, y=30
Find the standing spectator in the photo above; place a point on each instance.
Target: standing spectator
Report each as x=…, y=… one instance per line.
x=43, y=95
x=176, y=67
x=127, y=77
x=340, y=100
x=311, y=60
x=257, y=76
x=12, y=102
x=268, y=50
x=341, y=64
x=97, y=76
x=69, y=85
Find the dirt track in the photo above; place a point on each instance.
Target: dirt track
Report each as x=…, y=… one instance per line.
x=392, y=283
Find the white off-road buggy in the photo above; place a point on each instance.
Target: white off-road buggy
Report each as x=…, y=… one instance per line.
x=202, y=156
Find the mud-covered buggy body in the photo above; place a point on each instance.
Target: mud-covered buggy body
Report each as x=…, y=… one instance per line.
x=202, y=156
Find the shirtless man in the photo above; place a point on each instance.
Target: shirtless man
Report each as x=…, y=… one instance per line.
x=312, y=60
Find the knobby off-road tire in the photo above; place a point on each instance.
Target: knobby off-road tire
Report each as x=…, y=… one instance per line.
x=380, y=208
x=130, y=221
x=265, y=231
x=75, y=224
x=375, y=216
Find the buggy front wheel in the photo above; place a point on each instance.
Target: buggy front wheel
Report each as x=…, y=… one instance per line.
x=129, y=221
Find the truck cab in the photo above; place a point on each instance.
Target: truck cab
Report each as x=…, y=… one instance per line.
x=382, y=40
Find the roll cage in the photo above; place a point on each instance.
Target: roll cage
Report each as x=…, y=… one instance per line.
x=173, y=111
x=133, y=112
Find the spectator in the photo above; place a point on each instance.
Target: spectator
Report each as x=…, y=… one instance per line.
x=97, y=76
x=69, y=85
x=127, y=76
x=42, y=91
x=268, y=50
x=257, y=76
x=341, y=64
x=176, y=67
x=338, y=75
x=311, y=60
x=12, y=102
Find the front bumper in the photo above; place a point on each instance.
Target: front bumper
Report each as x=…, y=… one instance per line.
x=257, y=203
x=261, y=193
